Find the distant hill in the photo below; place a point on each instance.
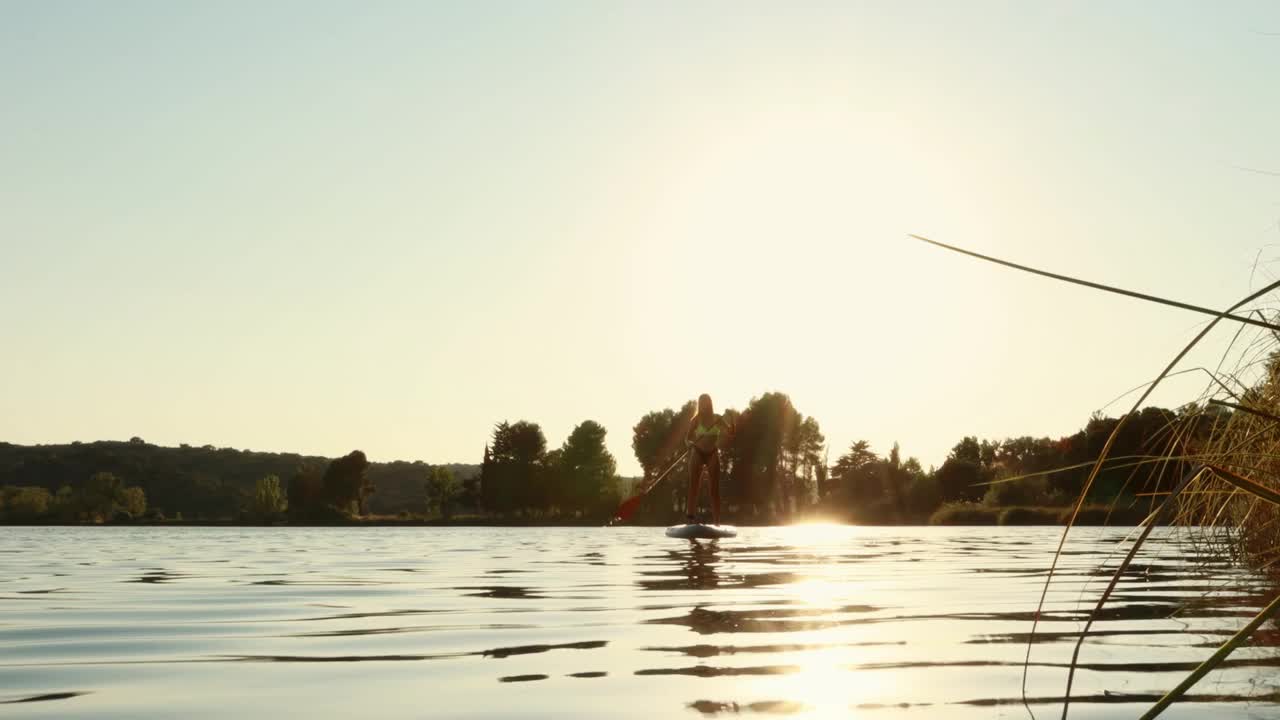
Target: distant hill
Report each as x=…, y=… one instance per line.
x=200, y=482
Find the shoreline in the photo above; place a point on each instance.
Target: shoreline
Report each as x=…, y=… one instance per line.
x=992, y=519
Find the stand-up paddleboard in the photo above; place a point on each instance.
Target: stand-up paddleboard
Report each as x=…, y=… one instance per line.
x=696, y=531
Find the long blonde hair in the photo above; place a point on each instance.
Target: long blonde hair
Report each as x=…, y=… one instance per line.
x=704, y=401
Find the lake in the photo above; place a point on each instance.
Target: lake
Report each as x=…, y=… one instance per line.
x=805, y=622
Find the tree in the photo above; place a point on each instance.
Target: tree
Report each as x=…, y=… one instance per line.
x=102, y=495
x=960, y=480
x=335, y=494
x=346, y=483
x=824, y=470
x=134, y=501
x=756, y=453
x=306, y=492
x=552, y=489
x=24, y=503
x=511, y=475
x=66, y=504
x=590, y=471
x=895, y=480
x=489, y=483
x=967, y=450
x=469, y=497
x=805, y=450
x=268, y=499
x=658, y=441
x=523, y=443
x=653, y=439
x=922, y=496
x=1023, y=491
x=987, y=450
x=856, y=476
x=659, y=436
x=441, y=488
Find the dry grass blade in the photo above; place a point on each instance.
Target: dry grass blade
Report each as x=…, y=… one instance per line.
x=1107, y=288
x=1256, y=489
x=1212, y=378
x=1114, y=463
x=1242, y=408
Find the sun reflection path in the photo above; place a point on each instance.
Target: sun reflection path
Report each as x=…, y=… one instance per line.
x=815, y=533
x=824, y=686
x=828, y=689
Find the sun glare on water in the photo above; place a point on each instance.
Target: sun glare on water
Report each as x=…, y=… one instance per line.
x=824, y=684
x=819, y=533
x=825, y=687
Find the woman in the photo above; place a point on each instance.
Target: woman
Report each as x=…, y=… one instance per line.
x=707, y=432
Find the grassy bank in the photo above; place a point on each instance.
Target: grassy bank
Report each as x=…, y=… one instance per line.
x=979, y=514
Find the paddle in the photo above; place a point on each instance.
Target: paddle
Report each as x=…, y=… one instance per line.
x=628, y=506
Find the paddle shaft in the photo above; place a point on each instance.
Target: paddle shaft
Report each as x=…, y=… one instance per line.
x=632, y=501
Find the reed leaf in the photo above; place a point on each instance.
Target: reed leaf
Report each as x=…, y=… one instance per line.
x=1214, y=660
x=1108, y=288
x=1259, y=491
x=1242, y=408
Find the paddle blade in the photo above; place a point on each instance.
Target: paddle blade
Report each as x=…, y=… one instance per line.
x=628, y=508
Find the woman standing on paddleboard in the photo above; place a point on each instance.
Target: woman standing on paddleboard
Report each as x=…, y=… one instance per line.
x=707, y=432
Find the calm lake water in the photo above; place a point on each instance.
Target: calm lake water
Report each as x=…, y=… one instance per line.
x=814, y=621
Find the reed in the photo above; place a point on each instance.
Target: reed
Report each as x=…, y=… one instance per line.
x=1228, y=438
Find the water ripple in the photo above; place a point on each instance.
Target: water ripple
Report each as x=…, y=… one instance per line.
x=484, y=622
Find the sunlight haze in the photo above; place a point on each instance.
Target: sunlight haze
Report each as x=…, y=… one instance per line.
x=315, y=227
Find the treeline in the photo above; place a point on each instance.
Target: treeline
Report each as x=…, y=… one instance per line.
x=203, y=482
x=1021, y=472
x=520, y=478
x=103, y=498
x=774, y=468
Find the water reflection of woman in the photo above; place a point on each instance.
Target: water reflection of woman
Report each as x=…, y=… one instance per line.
x=707, y=433
x=700, y=565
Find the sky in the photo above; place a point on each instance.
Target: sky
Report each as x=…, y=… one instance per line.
x=318, y=226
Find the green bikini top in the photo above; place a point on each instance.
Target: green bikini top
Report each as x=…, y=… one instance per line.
x=716, y=427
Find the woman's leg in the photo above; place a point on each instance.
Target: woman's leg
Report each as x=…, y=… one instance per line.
x=713, y=474
x=695, y=475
